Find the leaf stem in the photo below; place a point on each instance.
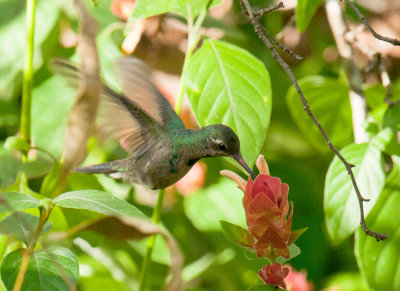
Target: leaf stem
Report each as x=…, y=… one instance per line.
x=25, y=126
x=193, y=40
x=150, y=245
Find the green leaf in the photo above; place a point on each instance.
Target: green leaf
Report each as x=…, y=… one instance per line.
x=237, y=234
x=386, y=141
x=321, y=93
x=392, y=118
x=195, y=6
x=9, y=168
x=342, y=214
x=145, y=8
x=13, y=38
x=222, y=201
x=45, y=107
x=346, y=281
x=14, y=201
x=264, y=287
x=98, y=201
x=226, y=84
x=51, y=180
x=305, y=11
x=294, y=251
x=379, y=261
x=22, y=226
x=54, y=268
x=16, y=143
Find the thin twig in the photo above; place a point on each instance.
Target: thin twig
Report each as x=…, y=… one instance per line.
x=393, y=41
x=259, y=31
x=258, y=14
x=281, y=45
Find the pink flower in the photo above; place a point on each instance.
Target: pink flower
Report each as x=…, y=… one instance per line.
x=266, y=207
x=297, y=281
x=122, y=8
x=274, y=275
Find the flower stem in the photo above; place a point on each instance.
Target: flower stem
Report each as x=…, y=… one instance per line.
x=25, y=126
x=193, y=40
x=150, y=245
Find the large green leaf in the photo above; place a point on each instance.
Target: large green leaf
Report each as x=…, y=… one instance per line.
x=98, y=201
x=342, y=214
x=379, y=261
x=195, y=6
x=13, y=37
x=54, y=268
x=145, y=8
x=9, y=168
x=329, y=101
x=305, y=11
x=14, y=201
x=50, y=107
x=22, y=226
x=222, y=201
x=226, y=84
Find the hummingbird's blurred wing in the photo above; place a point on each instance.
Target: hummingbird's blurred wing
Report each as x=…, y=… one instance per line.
x=119, y=117
x=137, y=85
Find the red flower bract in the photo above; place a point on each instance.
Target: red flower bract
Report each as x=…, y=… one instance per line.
x=274, y=274
x=266, y=206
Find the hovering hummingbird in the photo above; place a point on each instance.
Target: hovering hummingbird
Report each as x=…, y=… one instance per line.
x=162, y=149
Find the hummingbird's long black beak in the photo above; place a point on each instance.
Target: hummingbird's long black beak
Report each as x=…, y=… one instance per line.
x=238, y=157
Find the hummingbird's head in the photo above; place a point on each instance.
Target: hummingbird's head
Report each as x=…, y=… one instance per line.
x=222, y=141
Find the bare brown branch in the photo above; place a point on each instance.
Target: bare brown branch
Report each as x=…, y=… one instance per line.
x=393, y=41
x=259, y=31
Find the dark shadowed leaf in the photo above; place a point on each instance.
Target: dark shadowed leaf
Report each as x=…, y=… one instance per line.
x=379, y=261
x=54, y=268
x=237, y=234
x=305, y=11
x=342, y=214
x=14, y=201
x=392, y=118
x=22, y=226
x=321, y=94
x=226, y=84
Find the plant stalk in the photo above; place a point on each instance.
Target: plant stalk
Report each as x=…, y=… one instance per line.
x=25, y=123
x=150, y=245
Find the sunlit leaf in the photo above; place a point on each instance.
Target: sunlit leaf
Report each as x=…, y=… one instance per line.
x=226, y=84
x=237, y=234
x=98, y=201
x=22, y=226
x=392, y=118
x=386, y=141
x=54, y=268
x=305, y=11
x=294, y=251
x=13, y=37
x=14, y=201
x=144, y=8
x=329, y=101
x=195, y=7
x=379, y=261
x=342, y=214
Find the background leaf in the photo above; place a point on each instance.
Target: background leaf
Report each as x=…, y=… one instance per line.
x=226, y=84
x=379, y=262
x=22, y=226
x=98, y=201
x=54, y=268
x=12, y=36
x=305, y=11
x=342, y=214
x=322, y=93
x=144, y=8
x=222, y=201
x=13, y=201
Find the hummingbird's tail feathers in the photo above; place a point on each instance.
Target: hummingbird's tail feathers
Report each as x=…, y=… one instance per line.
x=105, y=168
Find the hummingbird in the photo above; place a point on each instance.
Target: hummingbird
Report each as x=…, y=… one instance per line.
x=162, y=150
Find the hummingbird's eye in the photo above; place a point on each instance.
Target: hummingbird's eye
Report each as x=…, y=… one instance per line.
x=222, y=146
